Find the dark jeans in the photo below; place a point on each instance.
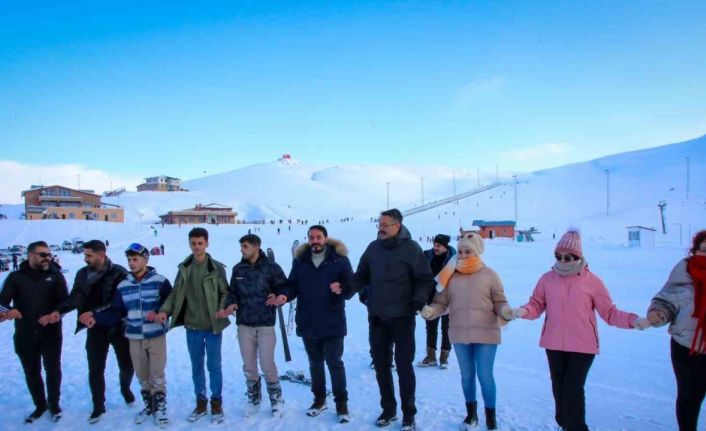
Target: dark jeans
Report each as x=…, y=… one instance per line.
x=98, y=339
x=690, y=371
x=384, y=334
x=331, y=351
x=568, y=371
x=35, y=347
x=433, y=332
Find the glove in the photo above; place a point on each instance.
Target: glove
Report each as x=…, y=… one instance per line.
x=427, y=312
x=506, y=313
x=641, y=323
x=519, y=312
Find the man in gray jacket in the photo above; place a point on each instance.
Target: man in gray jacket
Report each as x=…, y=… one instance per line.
x=400, y=282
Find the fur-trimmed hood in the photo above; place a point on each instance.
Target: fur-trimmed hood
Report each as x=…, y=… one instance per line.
x=336, y=244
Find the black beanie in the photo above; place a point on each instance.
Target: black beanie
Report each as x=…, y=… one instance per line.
x=442, y=240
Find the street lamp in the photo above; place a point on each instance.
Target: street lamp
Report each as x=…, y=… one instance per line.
x=607, y=196
x=388, y=195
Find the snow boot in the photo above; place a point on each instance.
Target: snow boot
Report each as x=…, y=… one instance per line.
x=55, y=412
x=408, y=424
x=385, y=419
x=444, y=359
x=159, y=408
x=199, y=411
x=275, y=392
x=254, y=397
x=147, y=410
x=342, y=412
x=429, y=360
x=128, y=396
x=471, y=420
x=96, y=415
x=35, y=415
x=217, y=416
x=490, y=419
x=318, y=406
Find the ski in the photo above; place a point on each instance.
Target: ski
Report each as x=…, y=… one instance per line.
x=292, y=304
x=280, y=316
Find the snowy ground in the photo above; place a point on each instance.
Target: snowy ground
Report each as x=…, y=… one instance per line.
x=630, y=387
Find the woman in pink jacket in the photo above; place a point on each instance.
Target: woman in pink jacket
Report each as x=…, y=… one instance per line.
x=570, y=294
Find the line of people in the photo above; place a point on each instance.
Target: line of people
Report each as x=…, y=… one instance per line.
x=132, y=311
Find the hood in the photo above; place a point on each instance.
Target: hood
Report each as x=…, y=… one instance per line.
x=333, y=243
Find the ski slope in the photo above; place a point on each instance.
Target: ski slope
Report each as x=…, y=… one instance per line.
x=630, y=387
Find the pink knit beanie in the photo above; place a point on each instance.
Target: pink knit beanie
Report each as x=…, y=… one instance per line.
x=570, y=243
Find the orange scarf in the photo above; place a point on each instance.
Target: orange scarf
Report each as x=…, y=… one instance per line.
x=468, y=265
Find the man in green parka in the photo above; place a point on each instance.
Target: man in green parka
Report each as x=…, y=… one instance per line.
x=200, y=291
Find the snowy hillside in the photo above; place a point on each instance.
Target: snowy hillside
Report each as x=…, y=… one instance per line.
x=630, y=387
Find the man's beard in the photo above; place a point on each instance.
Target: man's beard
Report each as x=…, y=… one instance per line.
x=318, y=248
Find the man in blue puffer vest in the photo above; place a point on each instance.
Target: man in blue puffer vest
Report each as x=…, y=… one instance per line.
x=137, y=300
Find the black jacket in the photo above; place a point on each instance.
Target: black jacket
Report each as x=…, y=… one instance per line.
x=106, y=282
x=249, y=287
x=33, y=293
x=451, y=252
x=320, y=312
x=398, y=276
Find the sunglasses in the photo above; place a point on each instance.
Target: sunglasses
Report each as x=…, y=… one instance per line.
x=565, y=257
x=43, y=255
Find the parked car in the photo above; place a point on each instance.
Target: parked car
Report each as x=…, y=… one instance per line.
x=54, y=247
x=78, y=247
x=67, y=245
x=5, y=260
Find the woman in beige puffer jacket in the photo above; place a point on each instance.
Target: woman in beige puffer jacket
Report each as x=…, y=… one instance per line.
x=473, y=295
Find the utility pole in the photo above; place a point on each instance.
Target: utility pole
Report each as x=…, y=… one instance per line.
x=422, y=180
x=680, y=239
x=662, y=205
x=687, y=178
x=388, y=195
x=514, y=179
x=607, y=194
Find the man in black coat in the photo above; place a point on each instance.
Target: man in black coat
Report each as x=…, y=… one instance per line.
x=254, y=286
x=438, y=257
x=400, y=282
x=37, y=288
x=320, y=279
x=93, y=290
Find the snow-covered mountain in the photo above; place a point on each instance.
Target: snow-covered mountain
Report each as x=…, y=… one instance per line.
x=631, y=384
x=548, y=199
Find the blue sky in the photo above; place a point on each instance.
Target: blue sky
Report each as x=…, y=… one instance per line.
x=179, y=88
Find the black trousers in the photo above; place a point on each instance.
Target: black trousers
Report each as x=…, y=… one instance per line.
x=98, y=340
x=568, y=371
x=329, y=350
x=37, y=347
x=433, y=332
x=384, y=335
x=690, y=371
